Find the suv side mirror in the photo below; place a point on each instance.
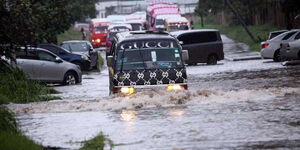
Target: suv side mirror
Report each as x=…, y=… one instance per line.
x=110, y=61
x=58, y=60
x=185, y=55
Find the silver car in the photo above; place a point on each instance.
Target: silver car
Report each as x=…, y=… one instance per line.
x=271, y=48
x=291, y=50
x=42, y=65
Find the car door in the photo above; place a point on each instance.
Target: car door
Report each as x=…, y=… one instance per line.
x=50, y=70
x=93, y=55
x=187, y=44
x=28, y=62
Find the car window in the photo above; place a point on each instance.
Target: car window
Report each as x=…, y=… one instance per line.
x=203, y=37
x=185, y=38
x=274, y=34
x=288, y=35
x=29, y=54
x=46, y=56
x=297, y=36
x=50, y=48
x=77, y=47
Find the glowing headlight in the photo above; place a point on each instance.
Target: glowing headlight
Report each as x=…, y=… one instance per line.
x=84, y=57
x=174, y=87
x=98, y=40
x=127, y=90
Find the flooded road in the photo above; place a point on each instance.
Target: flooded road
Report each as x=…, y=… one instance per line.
x=251, y=104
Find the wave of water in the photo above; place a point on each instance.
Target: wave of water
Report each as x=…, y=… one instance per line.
x=153, y=99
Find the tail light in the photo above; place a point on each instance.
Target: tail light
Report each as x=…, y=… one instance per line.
x=265, y=45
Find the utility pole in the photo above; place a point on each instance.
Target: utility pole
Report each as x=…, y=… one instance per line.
x=240, y=19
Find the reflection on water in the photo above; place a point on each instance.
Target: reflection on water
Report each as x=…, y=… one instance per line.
x=176, y=113
x=128, y=115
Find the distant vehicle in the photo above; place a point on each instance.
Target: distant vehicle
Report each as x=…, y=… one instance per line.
x=117, y=18
x=271, y=48
x=79, y=26
x=99, y=30
x=204, y=46
x=83, y=48
x=42, y=65
x=177, y=23
x=146, y=60
x=291, y=50
x=113, y=29
x=81, y=60
x=158, y=11
x=275, y=33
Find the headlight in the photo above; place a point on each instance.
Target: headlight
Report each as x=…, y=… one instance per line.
x=127, y=90
x=84, y=57
x=98, y=40
x=174, y=87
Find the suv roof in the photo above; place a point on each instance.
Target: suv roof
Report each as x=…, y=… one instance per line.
x=124, y=36
x=176, y=33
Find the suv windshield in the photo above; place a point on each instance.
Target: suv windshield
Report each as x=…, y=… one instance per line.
x=101, y=28
x=148, y=55
x=76, y=47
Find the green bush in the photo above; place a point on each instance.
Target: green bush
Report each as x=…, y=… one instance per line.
x=10, y=137
x=16, y=88
x=96, y=143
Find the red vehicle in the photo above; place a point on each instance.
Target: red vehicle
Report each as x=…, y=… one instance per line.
x=99, y=30
x=157, y=12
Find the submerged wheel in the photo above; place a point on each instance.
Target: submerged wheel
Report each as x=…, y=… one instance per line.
x=277, y=57
x=70, y=79
x=212, y=60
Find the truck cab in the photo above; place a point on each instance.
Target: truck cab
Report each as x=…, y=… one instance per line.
x=146, y=60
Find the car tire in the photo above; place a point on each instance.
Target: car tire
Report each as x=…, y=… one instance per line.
x=212, y=60
x=277, y=57
x=70, y=79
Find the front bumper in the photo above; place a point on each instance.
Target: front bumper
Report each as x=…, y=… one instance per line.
x=86, y=65
x=140, y=88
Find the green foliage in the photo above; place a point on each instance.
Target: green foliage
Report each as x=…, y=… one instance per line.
x=10, y=137
x=28, y=22
x=96, y=143
x=70, y=34
x=237, y=33
x=16, y=88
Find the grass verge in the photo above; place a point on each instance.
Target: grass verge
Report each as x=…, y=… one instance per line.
x=97, y=143
x=11, y=138
x=16, y=88
x=70, y=34
x=237, y=33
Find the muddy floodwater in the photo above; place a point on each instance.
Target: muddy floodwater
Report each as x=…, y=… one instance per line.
x=252, y=104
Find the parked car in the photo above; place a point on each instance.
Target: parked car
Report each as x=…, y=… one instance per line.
x=81, y=60
x=291, y=50
x=271, y=48
x=204, y=46
x=84, y=48
x=146, y=60
x=42, y=65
